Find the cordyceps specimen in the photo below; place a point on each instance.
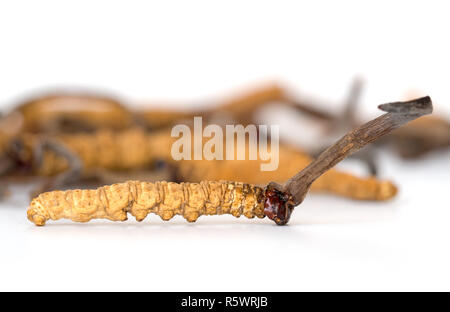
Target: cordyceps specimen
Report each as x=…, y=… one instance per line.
x=192, y=200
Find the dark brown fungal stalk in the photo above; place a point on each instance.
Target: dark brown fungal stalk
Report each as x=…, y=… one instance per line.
x=279, y=204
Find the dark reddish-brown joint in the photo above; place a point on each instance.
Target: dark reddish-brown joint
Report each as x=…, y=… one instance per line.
x=278, y=205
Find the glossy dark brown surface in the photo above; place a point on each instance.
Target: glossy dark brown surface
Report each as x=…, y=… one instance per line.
x=278, y=206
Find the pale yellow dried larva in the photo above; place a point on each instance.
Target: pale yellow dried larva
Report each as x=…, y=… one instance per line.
x=166, y=199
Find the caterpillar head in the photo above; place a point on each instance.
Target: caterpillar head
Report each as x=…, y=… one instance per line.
x=278, y=205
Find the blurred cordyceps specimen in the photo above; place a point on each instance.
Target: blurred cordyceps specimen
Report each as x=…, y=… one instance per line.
x=72, y=112
x=75, y=137
x=421, y=136
x=78, y=136
x=89, y=155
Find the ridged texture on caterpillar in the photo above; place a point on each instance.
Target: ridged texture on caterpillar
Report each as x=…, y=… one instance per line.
x=165, y=199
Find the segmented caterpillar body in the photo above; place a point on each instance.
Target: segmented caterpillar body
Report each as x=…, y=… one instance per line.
x=165, y=199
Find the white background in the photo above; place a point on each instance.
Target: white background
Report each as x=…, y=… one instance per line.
x=191, y=51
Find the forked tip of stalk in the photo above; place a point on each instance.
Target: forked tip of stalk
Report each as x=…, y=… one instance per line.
x=417, y=107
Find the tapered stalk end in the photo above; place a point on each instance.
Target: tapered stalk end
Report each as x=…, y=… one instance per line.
x=421, y=106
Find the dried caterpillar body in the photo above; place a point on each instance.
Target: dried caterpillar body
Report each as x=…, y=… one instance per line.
x=127, y=149
x=347, y=185
x=165, y=199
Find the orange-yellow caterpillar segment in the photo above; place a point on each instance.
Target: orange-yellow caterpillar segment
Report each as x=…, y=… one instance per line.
x=165, y=199
x=43, y=113
x=347, y=185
